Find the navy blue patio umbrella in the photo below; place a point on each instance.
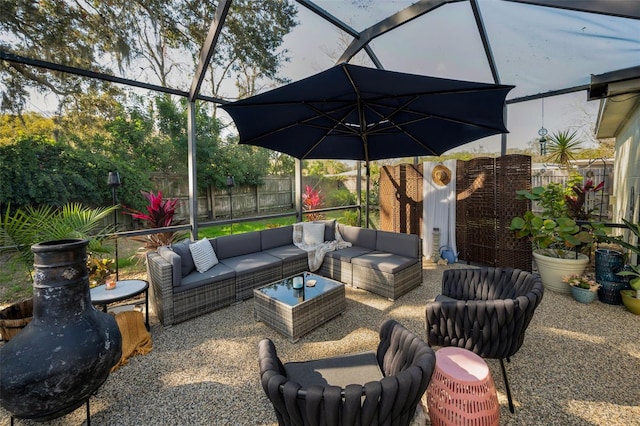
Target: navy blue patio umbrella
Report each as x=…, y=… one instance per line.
x=349, y=112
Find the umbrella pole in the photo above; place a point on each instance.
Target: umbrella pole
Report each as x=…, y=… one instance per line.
x=366, y=207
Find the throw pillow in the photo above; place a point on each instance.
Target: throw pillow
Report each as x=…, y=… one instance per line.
x=203, y=255
x=186, y=260
x=329, y=229
x=313, y=233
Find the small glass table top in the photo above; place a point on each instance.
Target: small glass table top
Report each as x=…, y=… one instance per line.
x=125, y=289
x=284, y=291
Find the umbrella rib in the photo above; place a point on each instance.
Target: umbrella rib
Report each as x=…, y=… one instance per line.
x=345, y=129
x=328, y=132
x=423, y=116
x=361, y=118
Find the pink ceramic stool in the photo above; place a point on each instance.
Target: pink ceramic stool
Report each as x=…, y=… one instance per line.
x=461, y=391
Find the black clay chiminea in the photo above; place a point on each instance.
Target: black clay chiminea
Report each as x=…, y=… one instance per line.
x=57, y=361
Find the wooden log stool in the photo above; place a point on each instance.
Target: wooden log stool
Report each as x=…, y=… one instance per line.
x=462, y=391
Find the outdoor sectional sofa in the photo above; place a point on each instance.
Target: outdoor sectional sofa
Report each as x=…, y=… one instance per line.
x=385, y=263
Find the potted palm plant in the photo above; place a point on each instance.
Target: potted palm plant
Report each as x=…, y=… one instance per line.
x=561, y=246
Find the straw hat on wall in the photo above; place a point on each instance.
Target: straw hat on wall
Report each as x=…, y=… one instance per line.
x=441, y=175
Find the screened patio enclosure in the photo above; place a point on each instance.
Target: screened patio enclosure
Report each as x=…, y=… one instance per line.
x=545, y=48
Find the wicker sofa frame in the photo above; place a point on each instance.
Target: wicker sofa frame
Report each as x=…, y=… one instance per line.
x=390, y=265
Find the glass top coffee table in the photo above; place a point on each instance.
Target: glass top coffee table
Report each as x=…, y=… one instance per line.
x=295, y=312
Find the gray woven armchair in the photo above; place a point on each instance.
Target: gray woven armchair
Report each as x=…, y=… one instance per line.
x=387, y=385
x=485, y=310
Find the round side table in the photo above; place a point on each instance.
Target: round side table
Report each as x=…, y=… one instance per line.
x=125, y=289
x=462, y=391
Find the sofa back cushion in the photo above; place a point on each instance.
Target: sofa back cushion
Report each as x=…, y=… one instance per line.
x=237, y=245
x=182, y=249
x=402, y=244
x=174, y=259
x=361, y=237
x=276, y=237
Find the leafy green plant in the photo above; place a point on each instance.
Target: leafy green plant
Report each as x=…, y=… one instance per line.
x=30, y=225
x=99, y=269
x=350, y=217
x=553, y=231
x=550, y=198
x=555, y=237
x=340, y=197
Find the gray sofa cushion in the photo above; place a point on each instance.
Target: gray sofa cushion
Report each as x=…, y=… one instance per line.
x=289, y=252
x=252, y=262
x=385, y=262
x=348, y=253
x=182, y=249
x=229, y=246
x=197, y=279
x=276, y=237
x=362, y=237
x=174, y=259
x=401, y=244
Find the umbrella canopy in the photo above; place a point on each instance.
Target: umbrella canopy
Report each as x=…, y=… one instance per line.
x=350, y=112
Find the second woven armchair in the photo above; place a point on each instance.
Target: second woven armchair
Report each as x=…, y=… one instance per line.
x=485, y=310
x=369, y=388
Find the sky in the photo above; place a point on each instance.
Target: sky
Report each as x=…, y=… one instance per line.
x=537, y=49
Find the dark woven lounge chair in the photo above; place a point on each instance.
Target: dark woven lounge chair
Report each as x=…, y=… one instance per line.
x=485, y=310
x=372, y=388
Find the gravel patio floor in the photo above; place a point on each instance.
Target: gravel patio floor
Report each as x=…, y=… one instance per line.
x=579, y=365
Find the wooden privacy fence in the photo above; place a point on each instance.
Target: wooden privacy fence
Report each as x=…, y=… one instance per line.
x=485, y=204
x=274, y=195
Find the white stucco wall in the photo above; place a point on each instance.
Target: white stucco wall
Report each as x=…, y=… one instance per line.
x=627, y=175
x=627, y=170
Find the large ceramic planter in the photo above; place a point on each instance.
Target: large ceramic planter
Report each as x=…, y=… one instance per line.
x=608, y=264
x=630, y=302
x=552, y=269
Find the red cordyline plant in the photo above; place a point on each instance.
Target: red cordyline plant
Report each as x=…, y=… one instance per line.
x=159, y=214
x=576, y=204
x=312, y=200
